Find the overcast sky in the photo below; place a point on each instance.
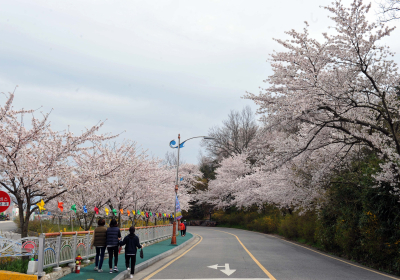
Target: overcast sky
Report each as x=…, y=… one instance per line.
x=151, y=68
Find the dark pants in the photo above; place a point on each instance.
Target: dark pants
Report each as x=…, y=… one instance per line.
x=182, y=231
x=112, y=251
x=133, y=262
x=100, y=255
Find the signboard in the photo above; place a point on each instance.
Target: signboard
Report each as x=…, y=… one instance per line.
x=178, y=209
x=5, y=201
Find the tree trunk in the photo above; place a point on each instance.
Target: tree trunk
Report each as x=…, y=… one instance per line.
x=80, y=222
x=91, y=222
x=85, y=222
x=24, y=227
x=23, y=221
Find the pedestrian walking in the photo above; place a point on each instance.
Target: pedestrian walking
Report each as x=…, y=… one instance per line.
x=99, y=241
x=184, y=231
x=131, y=242
x=182, y=228
x=113, y=237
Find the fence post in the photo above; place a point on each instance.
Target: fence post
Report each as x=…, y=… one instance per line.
x=87, y=248
x=41, y=255
x=74, y=247
x=58, y=251
x=147, y=235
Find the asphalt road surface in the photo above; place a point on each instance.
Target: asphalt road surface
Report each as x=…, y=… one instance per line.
x=224, y=253
x=7, y=225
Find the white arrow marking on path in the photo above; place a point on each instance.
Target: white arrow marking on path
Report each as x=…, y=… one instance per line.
x=226, y=269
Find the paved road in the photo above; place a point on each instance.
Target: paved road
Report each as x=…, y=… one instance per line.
x=7, y=228
x=7, y=225
x=277, y=259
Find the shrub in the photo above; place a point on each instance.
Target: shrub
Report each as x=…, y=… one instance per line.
x=16, y=264
x=289, y=227
x=265, y=224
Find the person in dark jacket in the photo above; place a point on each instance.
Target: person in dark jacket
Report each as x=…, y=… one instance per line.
x=184, y=231
x=132, y=243
x=112, y=240
x=99, y=241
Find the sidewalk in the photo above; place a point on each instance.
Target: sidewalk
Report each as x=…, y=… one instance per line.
x=149, y=252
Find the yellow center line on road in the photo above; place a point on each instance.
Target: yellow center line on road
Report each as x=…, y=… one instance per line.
x=251, y=255
x=177, y=258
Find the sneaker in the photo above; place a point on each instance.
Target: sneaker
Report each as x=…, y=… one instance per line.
x=128, y=268
x=100, y=270
x=116, y=269
x=131, y=276
x=95, y=268
x=111, y=270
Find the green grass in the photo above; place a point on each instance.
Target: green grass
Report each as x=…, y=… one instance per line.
x=14, y=264
x=48, y=270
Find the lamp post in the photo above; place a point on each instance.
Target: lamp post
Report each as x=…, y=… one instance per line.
x=172, y=144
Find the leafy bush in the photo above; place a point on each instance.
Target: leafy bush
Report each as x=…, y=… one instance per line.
x=264, y=224
x=17, y=264
x=361, y=221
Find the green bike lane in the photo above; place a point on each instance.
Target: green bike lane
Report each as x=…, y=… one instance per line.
x=149, y=252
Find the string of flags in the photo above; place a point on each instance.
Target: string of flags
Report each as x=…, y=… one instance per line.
x=107, y=211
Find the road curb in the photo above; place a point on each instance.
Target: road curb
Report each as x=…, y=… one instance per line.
x=10, y=275
x=153, y=260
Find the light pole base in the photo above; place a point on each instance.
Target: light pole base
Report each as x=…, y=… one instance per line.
x=173, y=239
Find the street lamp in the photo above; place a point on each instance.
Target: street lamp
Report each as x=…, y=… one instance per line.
x=172, y=144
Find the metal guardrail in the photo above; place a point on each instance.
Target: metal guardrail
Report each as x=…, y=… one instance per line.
x=64, y=247
x=54, y=249
x=27, y=246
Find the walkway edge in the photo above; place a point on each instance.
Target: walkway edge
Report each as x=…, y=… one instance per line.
x=155, y=259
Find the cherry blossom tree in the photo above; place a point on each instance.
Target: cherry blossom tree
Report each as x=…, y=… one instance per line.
x=95, y=170
x=35, y=160
x=228, y=182
x=389, y=10
x=158, y=194
x=326, y=101
x=339, y=92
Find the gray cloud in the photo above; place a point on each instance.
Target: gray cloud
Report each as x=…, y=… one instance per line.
x=152, y=68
